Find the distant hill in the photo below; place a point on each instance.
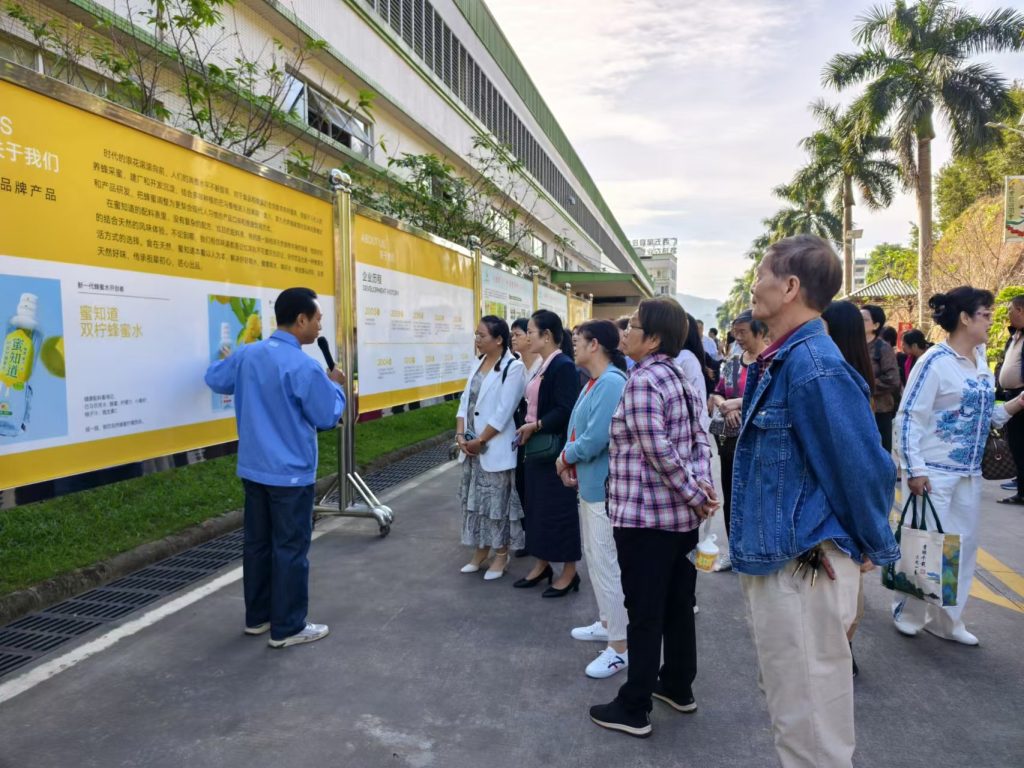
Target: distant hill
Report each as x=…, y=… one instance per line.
x=702, y=309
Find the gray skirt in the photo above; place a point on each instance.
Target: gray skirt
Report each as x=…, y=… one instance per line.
x=492, y=515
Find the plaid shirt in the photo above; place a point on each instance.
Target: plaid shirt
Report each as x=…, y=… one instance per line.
x=658, y=451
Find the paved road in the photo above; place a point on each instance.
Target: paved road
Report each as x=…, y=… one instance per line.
x=429, y=667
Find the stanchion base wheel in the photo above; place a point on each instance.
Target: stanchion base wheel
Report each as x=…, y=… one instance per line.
x=385, y=530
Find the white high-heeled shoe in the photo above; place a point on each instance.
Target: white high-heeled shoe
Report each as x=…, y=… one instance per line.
x=470, y=568
x=492, y=575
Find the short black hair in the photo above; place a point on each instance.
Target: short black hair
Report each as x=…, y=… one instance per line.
x=747, y=317
x=1018, y=301
x=889, y=335
x=520, y=323
x=877, y=317
x=713, y=332
x=663, y=317
x=293, y=302
x=915, y=338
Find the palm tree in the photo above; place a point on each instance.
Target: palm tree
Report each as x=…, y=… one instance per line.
x=808, y=214
x=841, y=157
x=914, y=59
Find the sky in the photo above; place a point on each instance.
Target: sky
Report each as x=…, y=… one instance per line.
x=688, y=113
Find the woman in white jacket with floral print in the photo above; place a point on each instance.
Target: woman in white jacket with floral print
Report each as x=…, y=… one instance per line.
x=943, y=421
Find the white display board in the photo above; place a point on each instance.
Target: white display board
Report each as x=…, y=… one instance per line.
x=557, y=302
x=506, y=295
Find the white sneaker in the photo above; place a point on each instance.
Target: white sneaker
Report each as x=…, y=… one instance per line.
x=594, y=632
x=607, y=663
x=959, y=635
x=259, y=629
x=903, y=627
x=308, y=634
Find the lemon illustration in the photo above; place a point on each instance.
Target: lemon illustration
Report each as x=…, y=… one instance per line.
x=220, y=299
x=252, y=331
x=52, y=355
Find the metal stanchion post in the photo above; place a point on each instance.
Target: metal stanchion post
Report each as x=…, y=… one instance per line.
x=345, y=286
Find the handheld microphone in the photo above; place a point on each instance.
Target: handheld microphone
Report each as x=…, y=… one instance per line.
x=326, y=349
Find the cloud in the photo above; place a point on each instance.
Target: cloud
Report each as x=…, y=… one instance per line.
x=613, y=46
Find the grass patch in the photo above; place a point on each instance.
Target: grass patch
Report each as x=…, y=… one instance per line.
x=39, y=541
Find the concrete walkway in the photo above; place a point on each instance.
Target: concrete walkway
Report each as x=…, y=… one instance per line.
x=429, y=667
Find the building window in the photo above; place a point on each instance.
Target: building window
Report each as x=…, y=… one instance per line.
x=558, y=260
x=321, y=113
x=20, y=52
x=500, y=224
x=536, y=247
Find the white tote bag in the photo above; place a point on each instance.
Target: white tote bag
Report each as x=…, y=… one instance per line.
x=929, y=563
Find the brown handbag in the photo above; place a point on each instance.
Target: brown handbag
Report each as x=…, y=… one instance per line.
x=997, y=462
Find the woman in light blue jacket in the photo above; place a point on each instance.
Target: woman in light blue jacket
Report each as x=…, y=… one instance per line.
x=585, y=461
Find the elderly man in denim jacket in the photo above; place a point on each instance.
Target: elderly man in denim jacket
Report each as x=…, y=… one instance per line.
x=812, y=490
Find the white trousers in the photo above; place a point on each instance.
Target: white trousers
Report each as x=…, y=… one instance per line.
x=804, y=660
x=957, y=500
x=603, y=566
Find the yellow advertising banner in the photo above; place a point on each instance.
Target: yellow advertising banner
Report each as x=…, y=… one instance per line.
x=1013, y=231
x=579, y=311
x=128, y=263
x=415, y=315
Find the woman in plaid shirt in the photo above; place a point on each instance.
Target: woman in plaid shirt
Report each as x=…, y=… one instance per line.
x=659, y=490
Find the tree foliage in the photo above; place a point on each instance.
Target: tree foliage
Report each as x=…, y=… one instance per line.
x=892, y=260
x=487, y=201
x=972, y=251
x=965, y=179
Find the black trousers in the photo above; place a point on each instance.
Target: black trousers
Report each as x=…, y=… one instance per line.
x=884, y=422
x=658, y=582
x=1015, y=437
x=726, y=454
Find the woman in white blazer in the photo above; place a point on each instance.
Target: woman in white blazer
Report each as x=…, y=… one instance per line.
x=492, y=515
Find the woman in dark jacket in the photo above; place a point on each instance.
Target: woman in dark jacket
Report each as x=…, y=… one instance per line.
x=886, y=392
x=554, y=531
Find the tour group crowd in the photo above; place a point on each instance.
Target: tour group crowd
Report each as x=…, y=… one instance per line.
x=595, y=443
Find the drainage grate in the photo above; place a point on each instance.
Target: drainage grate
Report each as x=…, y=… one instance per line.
x=29, y=641
x=28, y=638
x=401, y=471
x=11, y=661
x=62, y=626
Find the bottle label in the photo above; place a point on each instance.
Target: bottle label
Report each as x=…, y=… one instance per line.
x=16, y=362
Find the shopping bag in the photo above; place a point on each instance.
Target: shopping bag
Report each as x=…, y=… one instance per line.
x=929, y=564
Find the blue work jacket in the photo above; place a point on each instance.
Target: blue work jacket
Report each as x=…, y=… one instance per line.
x=282, y=397
x=809, y=463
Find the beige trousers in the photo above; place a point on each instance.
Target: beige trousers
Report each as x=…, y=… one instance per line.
x=603, y=567
x=804, y=660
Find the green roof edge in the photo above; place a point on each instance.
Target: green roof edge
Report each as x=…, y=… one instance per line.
x=487, y=30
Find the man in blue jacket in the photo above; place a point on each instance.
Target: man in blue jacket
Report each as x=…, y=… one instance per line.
x=812, y=490
x=282, y=397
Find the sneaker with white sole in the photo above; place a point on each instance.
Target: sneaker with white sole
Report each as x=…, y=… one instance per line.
x=308, y=634
x=259, y=629
x=608, y=662
x=595, y=631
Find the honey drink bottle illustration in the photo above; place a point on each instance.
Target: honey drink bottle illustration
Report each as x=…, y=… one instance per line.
x=21, y=343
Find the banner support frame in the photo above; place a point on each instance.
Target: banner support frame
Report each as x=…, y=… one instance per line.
x=340, y=500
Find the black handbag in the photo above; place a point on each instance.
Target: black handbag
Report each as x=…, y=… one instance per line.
x=541, y=449
x=997, y=462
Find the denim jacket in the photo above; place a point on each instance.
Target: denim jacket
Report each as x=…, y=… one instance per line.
x=809, y=463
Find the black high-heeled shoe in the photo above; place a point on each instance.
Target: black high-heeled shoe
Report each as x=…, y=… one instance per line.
x=525, y=583
x=572, y=586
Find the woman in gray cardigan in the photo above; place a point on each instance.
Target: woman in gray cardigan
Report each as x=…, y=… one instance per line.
x=585, y=461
